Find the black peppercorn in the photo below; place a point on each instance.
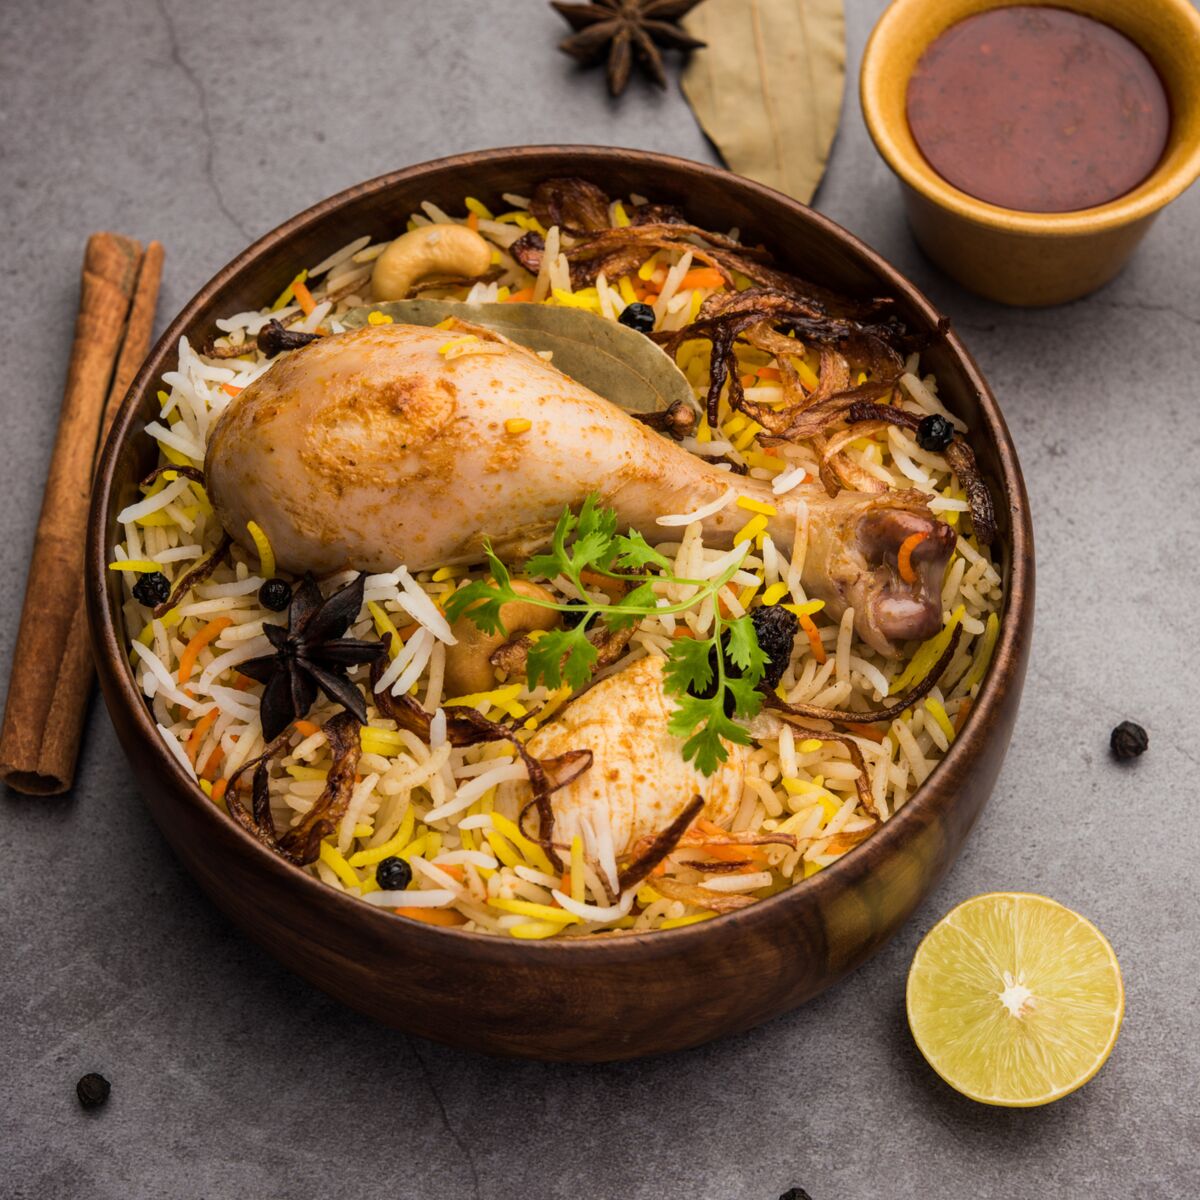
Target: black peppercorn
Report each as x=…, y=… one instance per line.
x=275, y=594
x=1128, y=740
x=152, y=589
x=393, y=874
x=639, y=317
x=92, y=1090
x=776, y=629
x=579, y=610
x=934, y=433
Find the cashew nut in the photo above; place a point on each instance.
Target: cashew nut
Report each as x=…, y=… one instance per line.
x=468, y=668
x=429, y=250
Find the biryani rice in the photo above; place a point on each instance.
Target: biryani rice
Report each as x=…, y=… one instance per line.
x=432, y=804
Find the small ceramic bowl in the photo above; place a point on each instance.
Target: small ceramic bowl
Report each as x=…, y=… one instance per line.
x=589, y=998
x=1031, y=258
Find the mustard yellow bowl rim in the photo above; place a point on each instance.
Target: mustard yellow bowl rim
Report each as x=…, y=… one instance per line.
x=892, y=40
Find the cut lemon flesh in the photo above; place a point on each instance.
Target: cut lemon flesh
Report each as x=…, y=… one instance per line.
x=1015, y=1000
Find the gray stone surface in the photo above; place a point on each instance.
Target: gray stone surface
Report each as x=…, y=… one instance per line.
x=206, y=124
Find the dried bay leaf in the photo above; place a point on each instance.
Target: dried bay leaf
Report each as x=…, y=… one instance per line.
x=614, y=361
x=767, y=90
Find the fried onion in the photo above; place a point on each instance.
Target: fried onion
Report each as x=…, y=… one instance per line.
x=660, y=845
x=814, y=712
x=699, y=897
x=301, y=845
x=959, y=457
x=197, y=574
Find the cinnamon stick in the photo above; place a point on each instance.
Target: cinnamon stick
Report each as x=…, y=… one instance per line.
x=51, y=674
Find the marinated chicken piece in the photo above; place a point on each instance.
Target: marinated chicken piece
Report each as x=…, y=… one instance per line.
x=638, y=781
x=370, y=448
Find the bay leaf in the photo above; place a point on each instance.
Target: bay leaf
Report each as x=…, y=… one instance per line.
x=767, y=89
x=611, y=359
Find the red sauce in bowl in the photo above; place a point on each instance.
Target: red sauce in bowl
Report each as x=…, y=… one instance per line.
x=1039, y=109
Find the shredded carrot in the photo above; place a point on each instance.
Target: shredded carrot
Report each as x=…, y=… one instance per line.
x=721, y=850
x=660, y=869
x=682, y=631
x=214, y=761
x=961, y=715
x=866, y=731
x=218, y=792
x=243, y=682
x=650, y=298
x=845, y=842
x=770, y=451
x=772, y=373
x=304, y=299
x=702, y=277
x=595, y=579
x=814, y=637
x=520, y=296
x=201, y=727
x=748, y=381
x=454, y=870
x=564, y=884
x=230, y=390
x=724, y=853
x=904, y=556
x=308, y=728
x=473, y=221
x=433, y=916
x=191, y=651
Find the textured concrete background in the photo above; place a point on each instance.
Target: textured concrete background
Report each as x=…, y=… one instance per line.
x=206, y=124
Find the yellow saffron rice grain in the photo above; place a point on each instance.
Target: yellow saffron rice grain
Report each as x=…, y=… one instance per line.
x=757, y=506
x=266, y=556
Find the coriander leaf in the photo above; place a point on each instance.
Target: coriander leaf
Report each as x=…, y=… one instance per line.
x=708, y=750
x=590, y=550
x=595, y=519
x=481, y=600
x=690, y=711
x=747, y=699
x=556, y=560
x=689, y=667
x=704, y=748
x=561, y=654
x=706, y=723
x=562, y=531
x=631, y=607
x=499, y=570
x=594, y=534
x=729, y=729
x=634, y=551
x=545, y=566
x=743, y=650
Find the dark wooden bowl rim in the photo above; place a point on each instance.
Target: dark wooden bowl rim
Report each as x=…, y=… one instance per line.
x=1017, y=610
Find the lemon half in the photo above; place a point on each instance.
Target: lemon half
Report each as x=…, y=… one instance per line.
x=1014, y=999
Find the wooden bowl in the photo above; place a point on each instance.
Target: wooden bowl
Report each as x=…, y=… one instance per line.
x=1017, y=257
x=609, y=997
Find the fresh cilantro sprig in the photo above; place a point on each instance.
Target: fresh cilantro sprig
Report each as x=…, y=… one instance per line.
x=709, y=695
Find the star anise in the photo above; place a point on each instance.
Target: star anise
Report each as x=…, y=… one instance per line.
x=311, y=656
x=623, y=29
